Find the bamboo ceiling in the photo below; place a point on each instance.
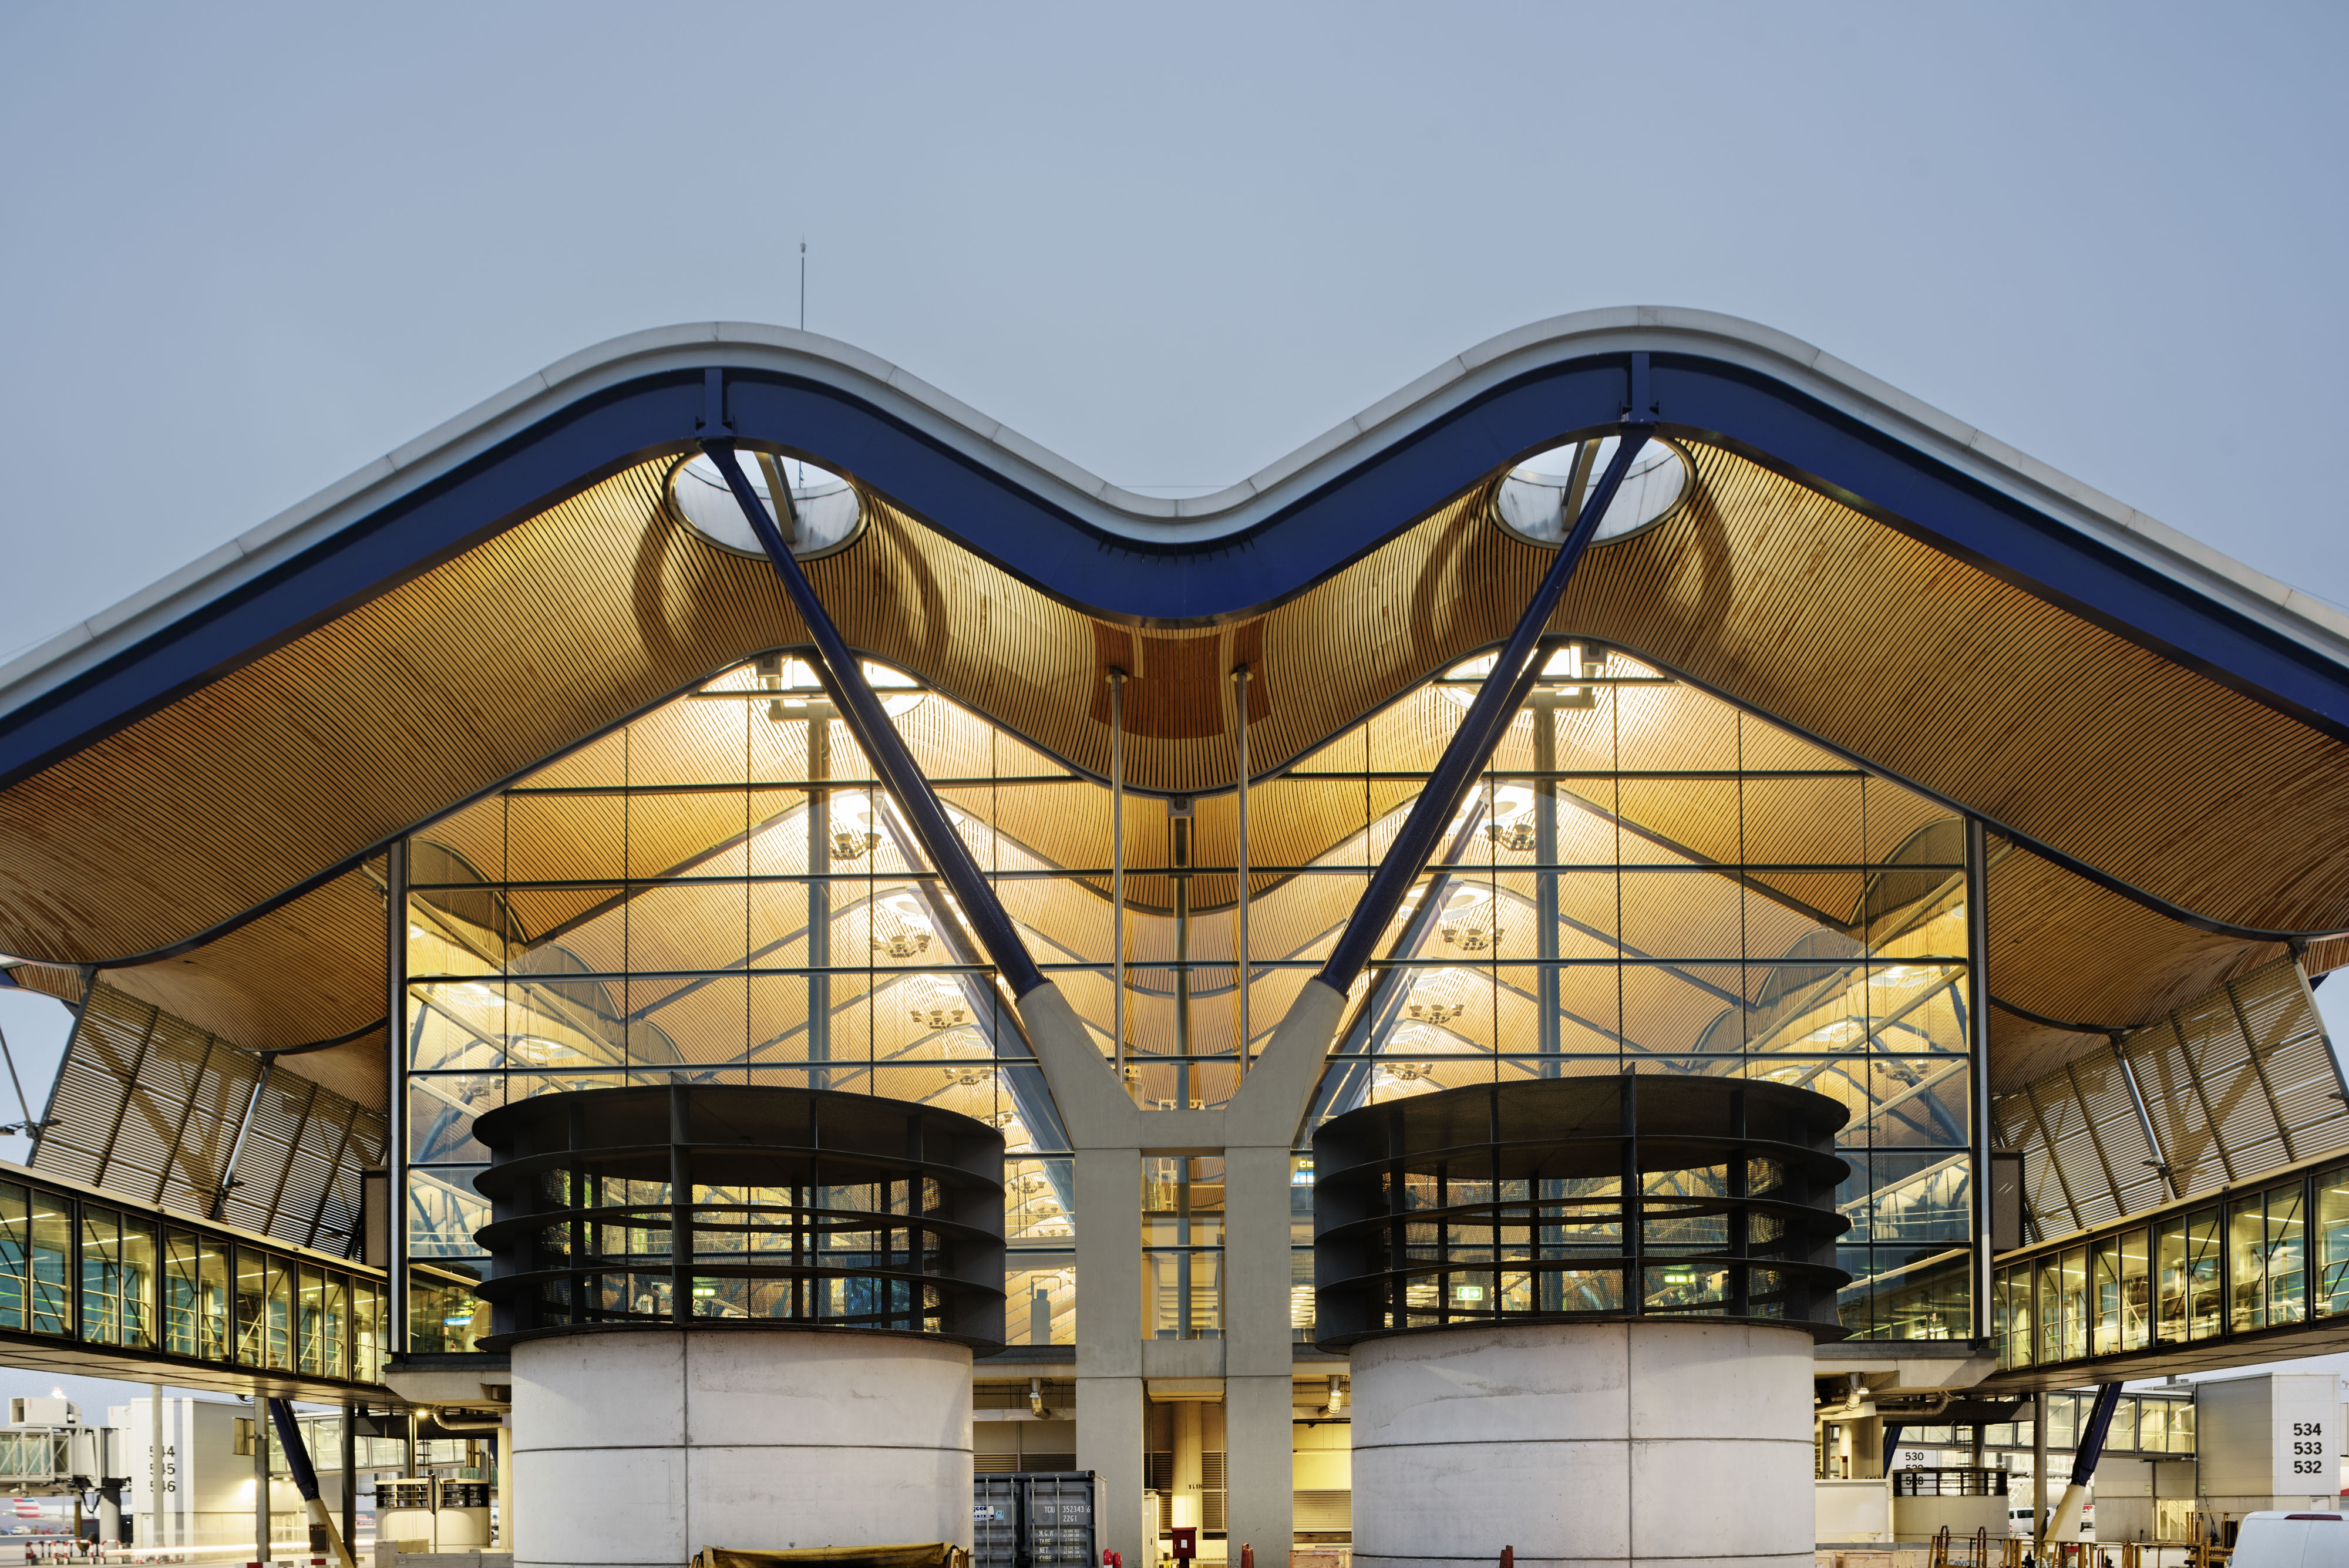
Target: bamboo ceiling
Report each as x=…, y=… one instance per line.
x=301, y=762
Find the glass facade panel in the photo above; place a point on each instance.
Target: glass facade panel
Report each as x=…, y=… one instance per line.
x=718, y=890
x=265, y=1310
x=2267, y=1257
x=15, y=1258
x=2331, y=1291
x=445, y=1318
x=1644, y=878
x=366, y=1332
x=2104, y=1296
x=2012, y=1322
x=52, y=1257
x=1181, y=1246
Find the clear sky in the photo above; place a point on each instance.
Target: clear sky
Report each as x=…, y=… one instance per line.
x=251, y=247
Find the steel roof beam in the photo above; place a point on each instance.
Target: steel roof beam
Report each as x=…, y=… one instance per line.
x=843, y=679
x=1515, y=670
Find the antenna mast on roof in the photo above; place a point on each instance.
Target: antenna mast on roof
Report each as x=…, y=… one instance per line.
x=804, y=286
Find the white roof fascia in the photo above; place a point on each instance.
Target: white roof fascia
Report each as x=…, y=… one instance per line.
x=1196, y=520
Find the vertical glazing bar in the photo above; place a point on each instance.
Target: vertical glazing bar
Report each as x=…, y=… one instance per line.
x=1117, y=867
x=1547, y=1035
x=1635, y=1229
x=1978, y=1062
x=1240, y=931
x=395, y=1024
x=818, y=894
x=680, y=1209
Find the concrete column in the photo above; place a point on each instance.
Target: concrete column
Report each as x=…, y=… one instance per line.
x=1190, y=1473
x=1109, y=1263
x=1109, y=1342
x=260, y=1478
x=505, y=1484
x=1625, y=1443
x=1257, y=1350
x=1109, y=1443
x=1260, y=1456
x=637, y=1450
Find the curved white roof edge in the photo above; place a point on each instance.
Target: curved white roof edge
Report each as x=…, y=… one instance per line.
x=1199, y=519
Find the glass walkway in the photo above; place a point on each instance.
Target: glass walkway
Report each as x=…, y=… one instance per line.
x=90, y=1283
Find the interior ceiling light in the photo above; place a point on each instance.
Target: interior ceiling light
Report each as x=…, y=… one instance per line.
x=1574, y=662
x=830, y=514
x=911, y=934
x=1432, y=1012
x=1470, y=922
x=1539, y=499
x=852, y=836
x=939, y=1017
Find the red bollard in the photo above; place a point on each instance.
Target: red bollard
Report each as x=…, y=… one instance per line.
x=1247, y=1555
x=1508, y=1557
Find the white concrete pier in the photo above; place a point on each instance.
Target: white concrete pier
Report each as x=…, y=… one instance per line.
x=637, y=1448
x=1618, y=1443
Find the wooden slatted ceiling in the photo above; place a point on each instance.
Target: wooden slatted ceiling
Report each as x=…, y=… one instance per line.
x=472, y=671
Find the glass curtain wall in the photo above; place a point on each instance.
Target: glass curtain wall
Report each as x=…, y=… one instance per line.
x=1644, y=878
x=720, y=890
x=1648, y=879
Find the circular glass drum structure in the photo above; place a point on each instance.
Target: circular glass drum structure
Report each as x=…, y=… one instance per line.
x=1570, y=1199
x=797, y=1208
x=1581, y=1313
x=740, y=1314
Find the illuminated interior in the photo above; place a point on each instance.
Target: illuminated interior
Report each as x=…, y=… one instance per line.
x=1643, y=874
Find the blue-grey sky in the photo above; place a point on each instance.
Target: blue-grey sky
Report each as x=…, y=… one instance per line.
x=251, y=247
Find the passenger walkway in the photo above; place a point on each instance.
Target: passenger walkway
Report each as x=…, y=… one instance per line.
x=2257, y=1271
x=94, y=1285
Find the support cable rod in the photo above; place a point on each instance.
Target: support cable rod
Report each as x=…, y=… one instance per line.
x=1240, y=934
x=1472, y=744
x=1117, y=867
x=843, y=679
x=31, y=1124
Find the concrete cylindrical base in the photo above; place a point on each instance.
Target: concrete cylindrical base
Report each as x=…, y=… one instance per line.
x=638, y=1449
x=1582, y=1444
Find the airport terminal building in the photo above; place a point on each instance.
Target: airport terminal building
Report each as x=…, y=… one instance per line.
x=727, y=912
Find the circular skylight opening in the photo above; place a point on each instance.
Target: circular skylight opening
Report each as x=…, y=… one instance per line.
x=827, y=506
x=1541, y=497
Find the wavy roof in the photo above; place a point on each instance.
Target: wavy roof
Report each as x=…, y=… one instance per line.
x=187, y=779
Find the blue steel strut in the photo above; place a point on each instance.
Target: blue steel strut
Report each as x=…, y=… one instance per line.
x=1472, y=744
x=843, y=680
